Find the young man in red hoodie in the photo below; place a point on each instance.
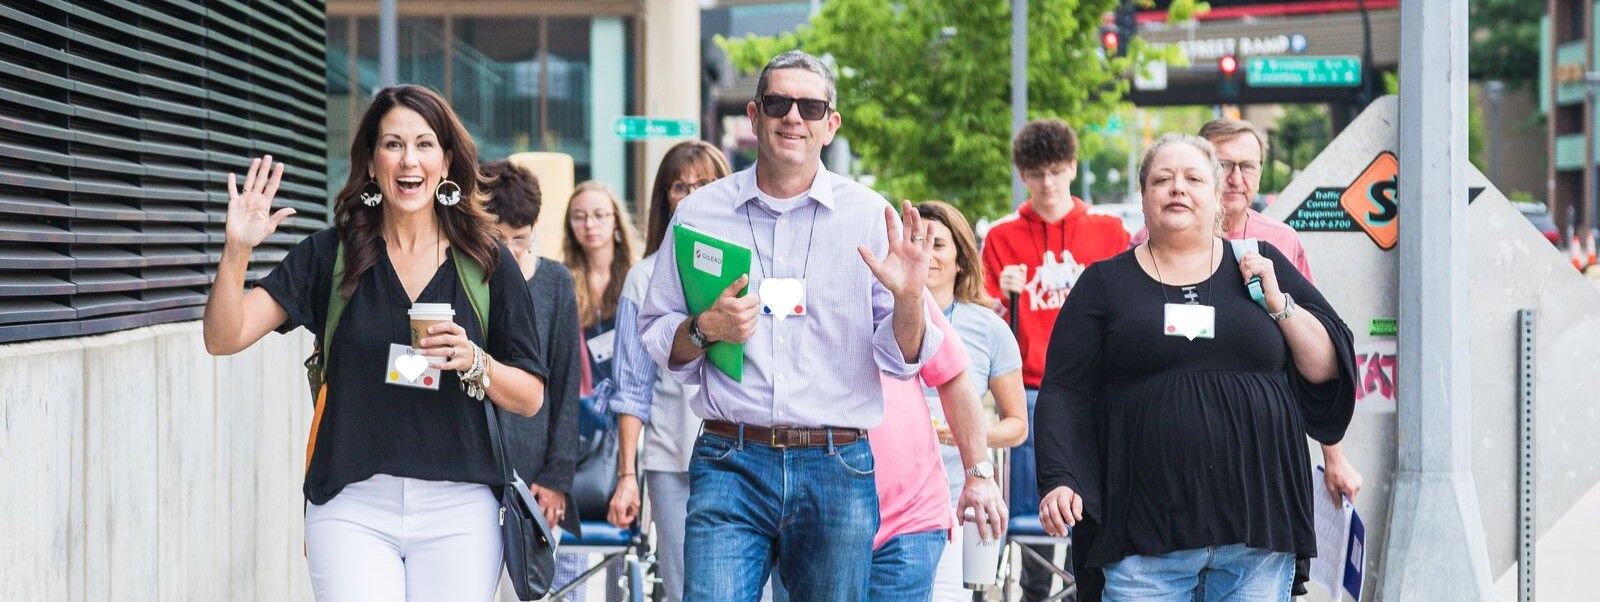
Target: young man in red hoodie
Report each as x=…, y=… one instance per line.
x=1031, y=259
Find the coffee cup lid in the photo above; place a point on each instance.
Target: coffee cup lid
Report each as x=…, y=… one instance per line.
x=431, y=309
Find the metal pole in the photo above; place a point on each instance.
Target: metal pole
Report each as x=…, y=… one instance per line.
x=388, y=44
x=1527, y=503
x=1019, y=87
x=1497, y=95
x=1435, y=548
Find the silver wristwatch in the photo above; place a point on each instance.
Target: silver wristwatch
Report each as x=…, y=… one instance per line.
x=982, y=470
x=1288, y=309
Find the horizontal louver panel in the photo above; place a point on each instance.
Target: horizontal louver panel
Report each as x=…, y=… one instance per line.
x=119, y=122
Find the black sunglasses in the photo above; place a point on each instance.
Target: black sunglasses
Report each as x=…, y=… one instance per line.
x=777, y=106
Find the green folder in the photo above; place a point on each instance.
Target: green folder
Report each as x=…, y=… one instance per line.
x=707, y=265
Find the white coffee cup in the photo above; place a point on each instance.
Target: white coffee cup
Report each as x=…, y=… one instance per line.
x=980, y=559
x=424, y=315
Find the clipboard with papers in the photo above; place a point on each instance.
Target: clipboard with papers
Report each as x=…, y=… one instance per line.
x=707, y=265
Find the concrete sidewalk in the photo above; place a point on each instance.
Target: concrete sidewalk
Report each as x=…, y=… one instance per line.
x=1568, y=557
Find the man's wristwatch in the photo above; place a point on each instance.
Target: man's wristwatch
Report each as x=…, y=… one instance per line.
x=696, y=336
x=982, y=470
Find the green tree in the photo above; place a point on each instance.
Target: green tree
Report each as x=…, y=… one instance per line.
x=924, y=87
x=1504, y=40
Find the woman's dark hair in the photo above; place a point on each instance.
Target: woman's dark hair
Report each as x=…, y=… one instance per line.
x=513, y=192
x=683, y=157
x=464, y=224
x=969, y=274
x=576, y=258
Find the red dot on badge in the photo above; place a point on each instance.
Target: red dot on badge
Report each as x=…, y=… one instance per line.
x=427, y=380
x=1172, y=329
x=799, y=309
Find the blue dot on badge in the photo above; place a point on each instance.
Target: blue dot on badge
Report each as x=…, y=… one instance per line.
x=766, y=310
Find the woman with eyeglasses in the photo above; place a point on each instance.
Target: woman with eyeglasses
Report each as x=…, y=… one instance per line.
x=598, y=250
x=647, y=400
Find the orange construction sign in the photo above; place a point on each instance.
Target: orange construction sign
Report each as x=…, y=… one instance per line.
x=1371, y=200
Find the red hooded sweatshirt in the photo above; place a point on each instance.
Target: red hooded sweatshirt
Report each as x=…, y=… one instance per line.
x=1062, y=249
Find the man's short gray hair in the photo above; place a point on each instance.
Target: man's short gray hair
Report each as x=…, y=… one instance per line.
x=1201, y=144
x=798, y=59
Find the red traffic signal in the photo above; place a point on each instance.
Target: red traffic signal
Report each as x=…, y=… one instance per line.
x=1110, y=41
x=1228, y=65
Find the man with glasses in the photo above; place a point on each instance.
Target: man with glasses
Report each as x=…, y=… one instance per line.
x=782, y=472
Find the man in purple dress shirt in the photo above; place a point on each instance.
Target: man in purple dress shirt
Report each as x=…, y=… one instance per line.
x=782, y=473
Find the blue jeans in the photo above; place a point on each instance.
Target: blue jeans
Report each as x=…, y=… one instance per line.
x=811, y=511
x=1232, y=572
x=902, y=570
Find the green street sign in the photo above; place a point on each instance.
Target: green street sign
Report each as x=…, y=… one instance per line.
x=631, y=127
x=1303, y=71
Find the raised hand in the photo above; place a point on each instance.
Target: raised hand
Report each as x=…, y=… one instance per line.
x=905, y=269
x=250, y=216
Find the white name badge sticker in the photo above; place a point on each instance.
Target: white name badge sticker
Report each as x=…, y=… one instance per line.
x=409, y=369
x=603, y=345
x=1191, y=321
x=782, y=297
x=707, y=258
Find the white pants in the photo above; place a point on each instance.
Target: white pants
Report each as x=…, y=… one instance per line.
x=947, y=585
x=397, y=539
x=669, y=510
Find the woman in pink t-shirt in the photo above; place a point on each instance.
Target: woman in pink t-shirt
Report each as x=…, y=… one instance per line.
x=913, y=498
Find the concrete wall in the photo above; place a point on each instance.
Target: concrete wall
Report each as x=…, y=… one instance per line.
x=137, y=467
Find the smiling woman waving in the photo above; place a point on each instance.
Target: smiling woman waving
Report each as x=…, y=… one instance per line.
x=393, y=442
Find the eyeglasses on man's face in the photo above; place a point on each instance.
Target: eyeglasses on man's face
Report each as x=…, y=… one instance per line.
x=682, y=189
x=777, y=106
x=1248, y=168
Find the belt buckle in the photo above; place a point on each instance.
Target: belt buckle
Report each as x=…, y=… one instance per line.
x=773, y=437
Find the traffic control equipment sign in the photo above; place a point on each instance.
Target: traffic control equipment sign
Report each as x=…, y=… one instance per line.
x=1370, y=200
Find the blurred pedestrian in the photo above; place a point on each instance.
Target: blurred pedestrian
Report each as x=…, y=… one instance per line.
x=409, y=216
x=955, y=277
x=1031, y=261
x=598, y=250
x=540, y=447
x=648, y=400
x=1172, y=419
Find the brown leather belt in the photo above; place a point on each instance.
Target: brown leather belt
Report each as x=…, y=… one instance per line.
x=784, y=436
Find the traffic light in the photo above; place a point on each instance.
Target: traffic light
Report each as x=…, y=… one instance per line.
x=1126, y=21
x=1228, y=65
x=1110, y=41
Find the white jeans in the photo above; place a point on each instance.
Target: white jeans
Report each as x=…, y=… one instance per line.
x=947, y=584
x=397, y=539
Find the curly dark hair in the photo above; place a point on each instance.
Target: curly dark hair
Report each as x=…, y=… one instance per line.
x=464, y=224
x=1044, y=142
x=514, y=195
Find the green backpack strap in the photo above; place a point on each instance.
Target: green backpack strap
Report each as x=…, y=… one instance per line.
x=1240, y=248
x=336, y=303
x=477, y=285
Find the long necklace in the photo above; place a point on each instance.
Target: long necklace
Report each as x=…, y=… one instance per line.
x=1161, y=283
x=766, y=270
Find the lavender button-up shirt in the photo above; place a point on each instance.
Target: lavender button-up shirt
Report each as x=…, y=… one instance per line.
x=819, y=369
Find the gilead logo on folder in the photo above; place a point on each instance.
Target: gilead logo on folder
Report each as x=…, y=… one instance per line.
x=707, y=258
x=707, y=265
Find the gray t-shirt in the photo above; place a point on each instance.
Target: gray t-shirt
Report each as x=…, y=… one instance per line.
x=993, y=350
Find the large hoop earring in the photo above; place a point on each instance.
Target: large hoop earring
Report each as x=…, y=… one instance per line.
x=371, y=195
x=450, y=198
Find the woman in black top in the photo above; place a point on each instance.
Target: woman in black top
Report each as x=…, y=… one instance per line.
x=1173, y=408
x=398, y=462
